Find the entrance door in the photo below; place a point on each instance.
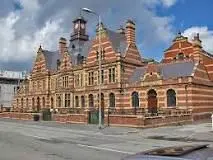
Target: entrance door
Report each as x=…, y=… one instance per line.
x=152, y=101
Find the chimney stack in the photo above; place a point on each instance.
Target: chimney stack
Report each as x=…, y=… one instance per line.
x=196, y=41
x=130, y=32
x=62, y=45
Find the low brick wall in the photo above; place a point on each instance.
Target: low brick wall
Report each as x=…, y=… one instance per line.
x=144, y=122
x=14, y=115
x=202, y=116
x=124, y=120
x=167, y=120
x=70, y=118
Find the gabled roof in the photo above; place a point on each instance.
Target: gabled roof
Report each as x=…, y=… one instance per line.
x=178, y=69
x=166, y=71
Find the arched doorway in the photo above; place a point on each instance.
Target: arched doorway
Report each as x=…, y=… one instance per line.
x=152, y=101
x=38, y=105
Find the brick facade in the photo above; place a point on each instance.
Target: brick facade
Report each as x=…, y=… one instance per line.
x=73, y=81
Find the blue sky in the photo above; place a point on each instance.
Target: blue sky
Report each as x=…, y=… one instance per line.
x=25, y=24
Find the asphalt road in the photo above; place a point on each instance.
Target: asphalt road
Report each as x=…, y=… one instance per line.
x=20, y=140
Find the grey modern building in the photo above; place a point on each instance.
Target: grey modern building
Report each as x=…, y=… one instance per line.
x=9, y=84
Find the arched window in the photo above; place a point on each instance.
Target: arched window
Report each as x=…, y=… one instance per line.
x=76, y=101
x=91, y=101
x=171, y=98
x=59, y=101
x=82, y=101
x=180, y=56
x=43, y=102
x=135, y=100
x=52, y=102
x=112, y=100
x=22, y=102
x=27, y=103
x=33, y=104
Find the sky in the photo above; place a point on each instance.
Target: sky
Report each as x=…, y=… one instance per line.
x=26, y=24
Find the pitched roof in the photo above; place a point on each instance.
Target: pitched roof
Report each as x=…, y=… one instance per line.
x=137, y=74
x=167, y=71
x=51, y=59
x=118, y=41
x=178, y=69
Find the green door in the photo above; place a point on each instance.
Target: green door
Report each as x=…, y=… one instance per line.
x=94, y=117
x=46, y=115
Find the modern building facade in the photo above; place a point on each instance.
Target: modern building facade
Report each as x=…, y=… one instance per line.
x=9, y=84
x=68, y=78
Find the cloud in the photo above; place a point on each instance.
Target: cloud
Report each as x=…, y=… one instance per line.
x=206, y=36
x=37, y=22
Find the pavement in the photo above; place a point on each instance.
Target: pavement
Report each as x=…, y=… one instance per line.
x=53, y=141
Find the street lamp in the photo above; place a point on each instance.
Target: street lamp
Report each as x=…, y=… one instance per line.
x=87, y=10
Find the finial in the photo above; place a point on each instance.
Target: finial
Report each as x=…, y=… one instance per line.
x=179, y=33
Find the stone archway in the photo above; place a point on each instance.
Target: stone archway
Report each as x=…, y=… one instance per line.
x=152, y=101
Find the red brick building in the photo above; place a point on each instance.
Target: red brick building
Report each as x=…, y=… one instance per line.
x=68, y=78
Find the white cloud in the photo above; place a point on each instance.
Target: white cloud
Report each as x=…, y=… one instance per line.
x=43, y=22
x=206, y=36
x=165, y=3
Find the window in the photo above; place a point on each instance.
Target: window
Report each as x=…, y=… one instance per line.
x=27, y=103
x=57, y=83
x=91, y=101
x=76, y=101
x=77, y=80
x=43, y=102
x=171, y=98
x=112, y=100
x=135, y=100
x=91, y=78
x=111, y=75
x=17, y=102
x=59, y=101
x=102, y=54
x=33, y=104
x=34, y=86
x=81, y=79
x=58, y=64
x=65, y=81
x=44, y=86
x=102, y=76
x=82, y=101
x=180, y=56
x=52, y=83
x=67, y=100
x=38, y=85
x=52, y=103
x=22, y=103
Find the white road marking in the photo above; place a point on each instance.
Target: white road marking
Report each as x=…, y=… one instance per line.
x=105, y=149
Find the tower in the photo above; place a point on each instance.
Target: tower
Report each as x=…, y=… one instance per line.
x=77, y=40
x=79, y=30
